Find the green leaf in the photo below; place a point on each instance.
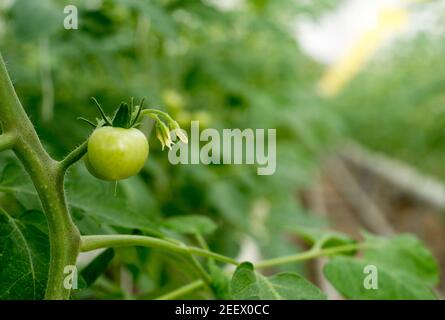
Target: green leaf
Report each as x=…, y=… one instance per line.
x=34, y=19
x=407, y=253
x=86, y=195
x=81, y=283
x=405, y=269
x=139, y=196
x=190, y=224
x=96, y=198
x=15, y=181
x=24, y=255
x=229, y=201
x=246, y=284
x=122, y=117
x=347, y=275
x=96, y=267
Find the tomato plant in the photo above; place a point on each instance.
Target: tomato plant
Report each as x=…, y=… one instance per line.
x=66, y=242
x=174, y=229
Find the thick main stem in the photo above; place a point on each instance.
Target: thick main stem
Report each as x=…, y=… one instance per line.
x=47, y=178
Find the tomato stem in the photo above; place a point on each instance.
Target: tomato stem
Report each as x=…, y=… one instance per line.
x=163, y=114
x=74, y=156
x=47, y=176
x=89, y=243
x=200, y=269
x=44, y=171
x=313, y=253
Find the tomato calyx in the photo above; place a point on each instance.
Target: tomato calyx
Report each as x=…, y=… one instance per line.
x=116, y=149
x=126, y=116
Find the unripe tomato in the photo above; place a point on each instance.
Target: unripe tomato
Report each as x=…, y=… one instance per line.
x=116, y=153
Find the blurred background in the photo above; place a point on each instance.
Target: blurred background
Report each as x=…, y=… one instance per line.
x=355, y=89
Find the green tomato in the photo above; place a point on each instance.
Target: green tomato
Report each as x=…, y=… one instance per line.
x=116, y=153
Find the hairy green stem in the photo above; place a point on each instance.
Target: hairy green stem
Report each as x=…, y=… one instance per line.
x=189, y=288
x=200, y=269
x=313, y=253
x=48, y=180
x=74, y=156
x=89, y=243
x=165, y=115
x=310, y=254
x=65, y=242
x=201, y=241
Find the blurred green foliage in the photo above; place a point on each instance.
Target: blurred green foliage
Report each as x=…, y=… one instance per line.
x=397, y=104
x=228, y=68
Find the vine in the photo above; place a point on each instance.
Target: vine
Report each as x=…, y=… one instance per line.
x=47, y=175
x=66, y=243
